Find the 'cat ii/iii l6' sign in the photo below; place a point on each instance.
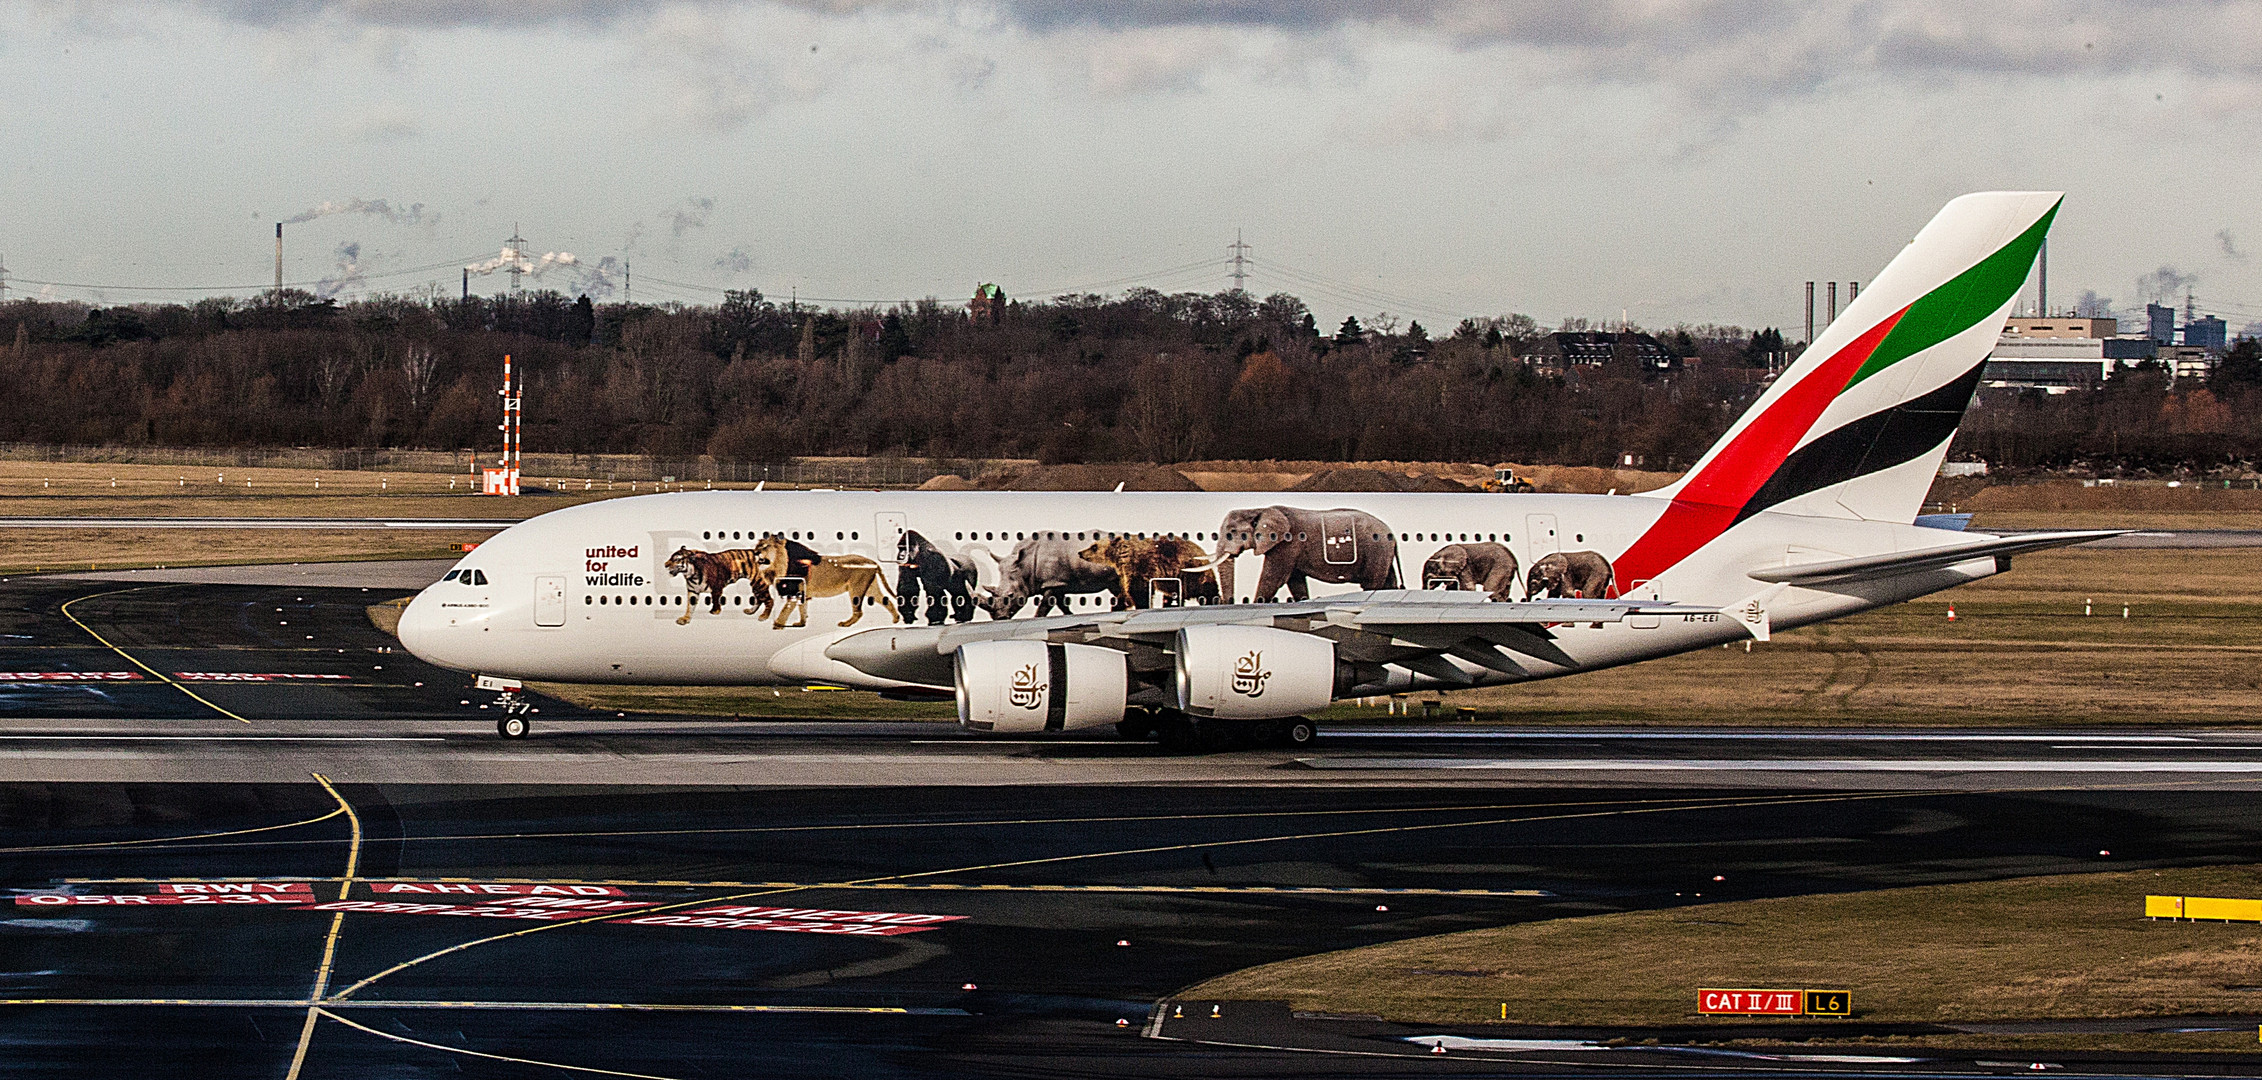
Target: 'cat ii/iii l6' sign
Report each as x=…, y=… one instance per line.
x=1775, y=1002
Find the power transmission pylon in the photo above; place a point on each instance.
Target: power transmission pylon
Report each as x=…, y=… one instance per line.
x=1240, y=261
x=517, y=244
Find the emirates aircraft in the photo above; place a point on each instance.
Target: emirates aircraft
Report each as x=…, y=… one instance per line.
x=1162, y=614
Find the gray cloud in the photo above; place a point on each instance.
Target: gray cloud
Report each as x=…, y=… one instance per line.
x=2229, y=245
x=736, y=261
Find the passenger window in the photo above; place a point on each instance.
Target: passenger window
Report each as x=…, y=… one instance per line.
x=588, y=600
x=852, y=536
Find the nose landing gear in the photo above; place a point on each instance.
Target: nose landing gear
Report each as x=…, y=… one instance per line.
x=513, y=724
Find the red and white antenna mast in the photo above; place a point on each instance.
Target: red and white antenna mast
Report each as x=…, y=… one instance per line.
x=504, y=479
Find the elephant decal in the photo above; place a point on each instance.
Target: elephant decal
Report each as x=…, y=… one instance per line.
x=1583, y=574
x=1489, y=568
x=1297, y=545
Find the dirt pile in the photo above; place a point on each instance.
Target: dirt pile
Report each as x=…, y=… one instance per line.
x=1088, y=478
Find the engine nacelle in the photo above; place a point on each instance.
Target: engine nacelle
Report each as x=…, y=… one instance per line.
x=1253, y=672
x=1021, y=686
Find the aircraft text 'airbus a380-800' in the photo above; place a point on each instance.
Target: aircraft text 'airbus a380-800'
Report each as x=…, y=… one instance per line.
x=1161, y=614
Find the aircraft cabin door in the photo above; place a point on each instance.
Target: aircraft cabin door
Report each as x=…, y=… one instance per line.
x=887, y=541
x=549, y=600
x=1642, y=590
x=1540, y=538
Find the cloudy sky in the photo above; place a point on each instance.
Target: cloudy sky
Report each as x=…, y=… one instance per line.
x=1678, y=160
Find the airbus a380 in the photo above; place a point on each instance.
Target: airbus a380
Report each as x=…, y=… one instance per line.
x=1162, y=613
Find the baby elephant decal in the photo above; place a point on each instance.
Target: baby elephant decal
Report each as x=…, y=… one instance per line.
x=1298, y=545
x=1489, y=568
x=1581, y=574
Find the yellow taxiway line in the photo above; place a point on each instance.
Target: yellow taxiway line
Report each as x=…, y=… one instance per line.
x=135, y=660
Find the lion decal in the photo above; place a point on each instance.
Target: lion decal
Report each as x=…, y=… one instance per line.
x=797, y=574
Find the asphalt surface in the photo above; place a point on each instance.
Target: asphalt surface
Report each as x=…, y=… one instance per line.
x=1042, y=891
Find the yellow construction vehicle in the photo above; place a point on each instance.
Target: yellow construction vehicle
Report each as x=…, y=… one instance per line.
x=1504, y=479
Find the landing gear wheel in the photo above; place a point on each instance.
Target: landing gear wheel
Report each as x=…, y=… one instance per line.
x=1299, y=733
x=513, y=726
x=1138, y=724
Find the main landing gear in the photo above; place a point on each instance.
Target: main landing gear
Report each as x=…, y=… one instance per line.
x=1183, y=734
x=513, y=724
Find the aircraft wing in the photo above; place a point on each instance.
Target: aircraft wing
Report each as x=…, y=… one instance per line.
x=1414, y=630
x=1873, y=567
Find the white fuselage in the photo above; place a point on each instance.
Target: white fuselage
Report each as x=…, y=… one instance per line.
x=584, y=594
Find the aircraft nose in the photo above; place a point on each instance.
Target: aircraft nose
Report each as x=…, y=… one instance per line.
x=422, y=629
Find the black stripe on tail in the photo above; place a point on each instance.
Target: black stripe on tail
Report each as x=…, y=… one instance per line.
x=1873, y=443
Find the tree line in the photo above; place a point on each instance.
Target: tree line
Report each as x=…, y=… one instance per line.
x=1141, y=376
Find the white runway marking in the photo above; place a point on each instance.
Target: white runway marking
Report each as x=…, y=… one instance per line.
x=1752, y=736
x=1785, y=765
x=224, y=738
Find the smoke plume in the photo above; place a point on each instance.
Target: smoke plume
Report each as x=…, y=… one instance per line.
x=346, y=276
x=398, y=215
x=2165, y=285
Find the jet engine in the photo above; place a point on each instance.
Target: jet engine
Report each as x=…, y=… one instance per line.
x=1021, y=686
x=1253, y=672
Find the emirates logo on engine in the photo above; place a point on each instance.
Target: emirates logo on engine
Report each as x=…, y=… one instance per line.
x=1249, y=674
x=1028, y=692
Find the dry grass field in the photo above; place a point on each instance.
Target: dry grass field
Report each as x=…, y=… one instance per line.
x=2063, y=947
x=2019, y=652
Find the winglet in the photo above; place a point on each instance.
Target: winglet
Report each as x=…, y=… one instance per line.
x=1752, y=612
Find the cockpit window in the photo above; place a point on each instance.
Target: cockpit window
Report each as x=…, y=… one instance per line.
x=470, y=577
x=451, y=575
x=479, y=577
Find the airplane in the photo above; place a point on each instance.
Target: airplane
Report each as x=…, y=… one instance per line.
x=1161, y=614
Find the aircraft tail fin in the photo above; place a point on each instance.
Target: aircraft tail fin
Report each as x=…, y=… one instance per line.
x=1858, y=426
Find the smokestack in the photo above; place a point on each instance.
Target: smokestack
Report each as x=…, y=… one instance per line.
x=1810, y=313
x=278, y=256
x=1853, y=292
x=467, y=283
x=2042, y=292
x=1833, y=304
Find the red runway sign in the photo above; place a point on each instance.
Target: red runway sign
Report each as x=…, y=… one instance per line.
x=158, y=900
x=68, y=676
x=790, y=926
x=490, y=888
x=223, y=887
x=825, y=915
x=1749, y=1002
x=539, y=908
x=272, y=676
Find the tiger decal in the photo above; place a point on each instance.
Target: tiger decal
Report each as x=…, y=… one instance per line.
x=710, y=572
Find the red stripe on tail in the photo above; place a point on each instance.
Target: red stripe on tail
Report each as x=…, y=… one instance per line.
x=1709, y=502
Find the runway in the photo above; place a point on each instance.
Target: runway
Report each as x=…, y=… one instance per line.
x=234, y=863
